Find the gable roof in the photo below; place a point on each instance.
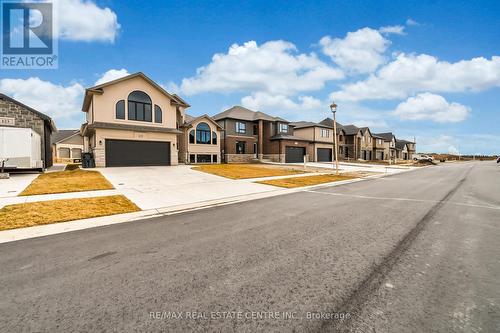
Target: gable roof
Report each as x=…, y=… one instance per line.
x=405, y=141
x=43, y=116
x=364, y=129
x=239, y=112
x=62, y=135
x=99, y=90
x=386, y=136
x=306, y=124
x=400, y=144
x=190, y=120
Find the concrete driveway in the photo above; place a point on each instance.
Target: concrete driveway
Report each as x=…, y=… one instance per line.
x=16, y=184
x=161, y=187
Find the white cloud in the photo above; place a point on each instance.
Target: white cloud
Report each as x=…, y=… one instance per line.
x=111, y=75
x=433, y=107
x=56, y=101
x=83, y=20
x=269, y=102
x=411, y=21
x=408, y=74
x=359, y=51
x=274, y=67
x=393, y=29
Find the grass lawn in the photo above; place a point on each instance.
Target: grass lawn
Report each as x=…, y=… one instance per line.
x=245, y=171
x=67, y=181
x=47, y=212
x=305, y=180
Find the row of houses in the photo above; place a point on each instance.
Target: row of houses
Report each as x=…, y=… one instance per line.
x=133, y=121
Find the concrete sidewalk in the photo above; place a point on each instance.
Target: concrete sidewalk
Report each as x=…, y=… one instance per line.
x=57, y=228
x=58, y=196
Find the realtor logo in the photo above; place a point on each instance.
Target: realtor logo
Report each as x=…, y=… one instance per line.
x=27, y=35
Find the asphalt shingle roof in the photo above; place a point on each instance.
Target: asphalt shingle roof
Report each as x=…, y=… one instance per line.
x=62, y=134
x=239, y=112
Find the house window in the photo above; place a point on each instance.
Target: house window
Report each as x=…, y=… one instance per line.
x=325, y=133
x=341, y=138
x=201, y=158
x=214, y=138
x=120, y=110
x=214, y=158
x=139, y=106
x=241, y=127
x=192, y=158
x=191, y=136
x=240, y=147
x=203, y=134
x=158, y=115
x=363, y=139
x=283, y=128
x=255, y=130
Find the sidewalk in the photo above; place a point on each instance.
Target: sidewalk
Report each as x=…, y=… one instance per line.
x=11, y=200
x=57, y=228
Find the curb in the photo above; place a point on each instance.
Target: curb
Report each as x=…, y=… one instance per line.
x=63, y=227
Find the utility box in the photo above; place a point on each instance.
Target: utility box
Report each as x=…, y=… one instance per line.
x=22, y=147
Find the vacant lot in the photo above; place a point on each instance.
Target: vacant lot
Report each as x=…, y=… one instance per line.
x=305, y=180
x=245, y=171
x=47, y=212
x=67, y=181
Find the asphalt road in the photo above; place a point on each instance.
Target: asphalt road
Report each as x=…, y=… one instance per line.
x=413, y=252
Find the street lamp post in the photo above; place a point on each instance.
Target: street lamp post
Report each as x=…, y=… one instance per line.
x=333, y=107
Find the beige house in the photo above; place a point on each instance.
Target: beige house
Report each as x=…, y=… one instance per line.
x=200, y=141
x=389, y=145
x=67, y=146
x=132, y=121
x=322, y=140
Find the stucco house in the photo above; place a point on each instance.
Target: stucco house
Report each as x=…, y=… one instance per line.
x=67, y=146
x=132, y=121
x=200, y=140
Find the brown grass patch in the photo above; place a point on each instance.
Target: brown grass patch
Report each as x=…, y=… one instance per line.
x=245, y=171
x=67, y=181
x=54, y=211
x=305, y=180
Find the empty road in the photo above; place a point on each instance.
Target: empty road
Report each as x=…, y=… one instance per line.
x=412, y=252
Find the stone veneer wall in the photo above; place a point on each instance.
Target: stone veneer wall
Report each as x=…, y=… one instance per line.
x=24, y=119
x=239, y=158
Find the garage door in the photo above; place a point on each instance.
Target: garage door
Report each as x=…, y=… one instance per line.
x=294, y=154
x=137, y=153
x=324, y=155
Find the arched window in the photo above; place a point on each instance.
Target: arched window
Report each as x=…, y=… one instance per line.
x=158, y=114
x=203, y=134
x=214, y=138
x=139, y=106
x=120, y=110
x=191, y=136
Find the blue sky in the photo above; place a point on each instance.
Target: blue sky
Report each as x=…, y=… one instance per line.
x=424, y=69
